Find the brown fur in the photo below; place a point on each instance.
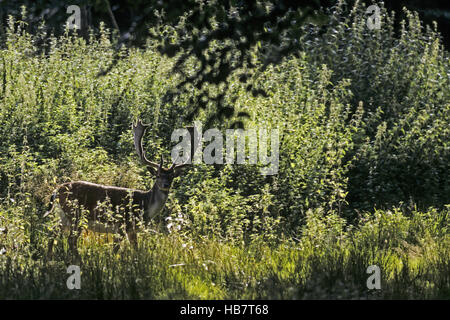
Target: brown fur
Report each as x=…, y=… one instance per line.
x=127, y=205
x=93, y=200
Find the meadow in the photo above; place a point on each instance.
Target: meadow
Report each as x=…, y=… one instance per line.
x=363, y=177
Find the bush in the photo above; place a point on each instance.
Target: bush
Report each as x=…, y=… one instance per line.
x=401, y=151
x=363, y=175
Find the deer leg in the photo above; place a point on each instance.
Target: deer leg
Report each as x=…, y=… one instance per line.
x=117, y=239
x=73, y=239
x=51, y=242
x=116, y=243
x=74, y=233
x=53, y=235
x=132, y=237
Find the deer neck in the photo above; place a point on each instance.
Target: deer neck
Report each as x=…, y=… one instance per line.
x=156, y=198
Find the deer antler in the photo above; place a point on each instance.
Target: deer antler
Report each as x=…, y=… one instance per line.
x=138, y=132
x=178, y=166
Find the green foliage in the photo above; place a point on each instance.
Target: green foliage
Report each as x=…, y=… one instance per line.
x=363, y=175
x=401, y=151
x=327, y=260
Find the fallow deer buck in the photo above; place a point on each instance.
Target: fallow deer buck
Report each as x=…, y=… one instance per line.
x=128, y=205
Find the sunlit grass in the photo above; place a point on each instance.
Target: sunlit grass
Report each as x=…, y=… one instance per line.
x=370, y=133
x=168, y=266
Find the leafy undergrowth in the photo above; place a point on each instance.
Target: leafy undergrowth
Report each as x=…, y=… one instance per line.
x=328, y=260
x=363, y=121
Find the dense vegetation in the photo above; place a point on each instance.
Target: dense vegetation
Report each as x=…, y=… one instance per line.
x=363, y=178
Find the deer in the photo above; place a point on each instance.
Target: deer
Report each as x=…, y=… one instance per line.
x=73, y=198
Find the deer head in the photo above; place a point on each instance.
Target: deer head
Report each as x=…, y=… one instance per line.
x=164, y=177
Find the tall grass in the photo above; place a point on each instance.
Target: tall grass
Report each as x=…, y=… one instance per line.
x=328, y=260
x=363, y=177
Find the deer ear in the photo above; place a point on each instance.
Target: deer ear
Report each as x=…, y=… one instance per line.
x=177, y=172
x=152, y=170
